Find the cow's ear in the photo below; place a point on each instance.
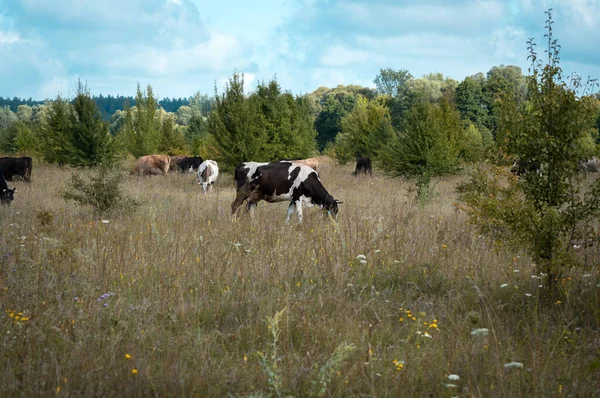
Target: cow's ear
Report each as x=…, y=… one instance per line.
x=339, y=202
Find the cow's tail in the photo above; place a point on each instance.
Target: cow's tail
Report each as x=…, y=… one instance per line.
x=28, y=164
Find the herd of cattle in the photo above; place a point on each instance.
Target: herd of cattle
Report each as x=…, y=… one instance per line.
x=296, y=181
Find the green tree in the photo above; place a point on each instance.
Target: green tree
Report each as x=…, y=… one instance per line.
x=236, y=127
x=7, y=130
x=367, y=128
x=426, y=146
x=391, y=82
x=75, y=133
x=543, y=212
x=268, y=125
x=196, y=134
x=140, y=131
x=57, y=146
x=470, y=102
x=172, y=140
x=90, y=140
x=329, y=120
x=286, y=120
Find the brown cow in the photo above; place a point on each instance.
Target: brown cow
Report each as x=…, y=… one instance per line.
x=152, y=165
x=310, y=162
x=174, y=162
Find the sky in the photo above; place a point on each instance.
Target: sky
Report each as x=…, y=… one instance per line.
x=184, y=46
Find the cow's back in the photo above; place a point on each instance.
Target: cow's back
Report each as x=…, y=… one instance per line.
x=152, y=164
x=16, y=167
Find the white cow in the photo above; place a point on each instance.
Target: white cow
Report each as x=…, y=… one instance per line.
x=207, y=174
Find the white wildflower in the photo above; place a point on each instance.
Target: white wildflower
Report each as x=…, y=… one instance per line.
x=451, y=386
x=105, y=221
x=453, y=377
x=586, y=275
x=516, y=270
x=481, y=332
x=363, y=261
x=528, y=294
x=513, y=365
x=361, y=257
x=504, y=285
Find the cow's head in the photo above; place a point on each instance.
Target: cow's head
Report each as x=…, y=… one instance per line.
x=331, y=206
x=7, y=195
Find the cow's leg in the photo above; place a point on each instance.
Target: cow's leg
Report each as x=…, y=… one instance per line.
x=239, y=199
x=299, y=211
x=290, y=210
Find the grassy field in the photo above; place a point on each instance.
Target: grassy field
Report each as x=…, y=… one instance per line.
x=173, y=299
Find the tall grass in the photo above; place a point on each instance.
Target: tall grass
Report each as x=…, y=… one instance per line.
x=173, y=298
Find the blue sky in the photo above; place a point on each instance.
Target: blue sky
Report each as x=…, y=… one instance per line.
x=184, y=46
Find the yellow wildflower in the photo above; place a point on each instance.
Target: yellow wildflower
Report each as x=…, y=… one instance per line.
x=134, y=371
x=127, y=356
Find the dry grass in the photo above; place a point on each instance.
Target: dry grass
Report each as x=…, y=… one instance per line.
x=192, y=292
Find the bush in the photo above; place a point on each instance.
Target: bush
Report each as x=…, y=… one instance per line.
x=103, y=192
x=544, y=212
x=426, y=147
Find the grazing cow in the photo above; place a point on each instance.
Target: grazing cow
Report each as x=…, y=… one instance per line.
x=191, y=163
x=590, y=165
x=152, y=165
x=242, y=176
x=208, y=172
x=174, y=162
x=20, y=167
x=285, y=181
x=521, y=167
x=310, y=162
x=364, y=165
x=6, y=194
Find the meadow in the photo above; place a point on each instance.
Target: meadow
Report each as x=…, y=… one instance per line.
x=174, y=299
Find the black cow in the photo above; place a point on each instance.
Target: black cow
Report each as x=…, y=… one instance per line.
x=521, y=167
x=6, y=194
x=20, y=167
x=364, y=165
x=192, y=162
x=279, y=182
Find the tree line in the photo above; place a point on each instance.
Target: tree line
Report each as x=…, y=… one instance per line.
x=107, y=105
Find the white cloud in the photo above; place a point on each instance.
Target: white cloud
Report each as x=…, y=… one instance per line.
x=583, y=11
x=463, y=17
x=338, y=55
x=509, y=43
x=54, y=86
x=218, y=52
x=9, y=37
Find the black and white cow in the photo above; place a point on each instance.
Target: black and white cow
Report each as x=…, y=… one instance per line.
x=279, y=182
x=208, y=172
x=6, y=194
x=364, y=165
